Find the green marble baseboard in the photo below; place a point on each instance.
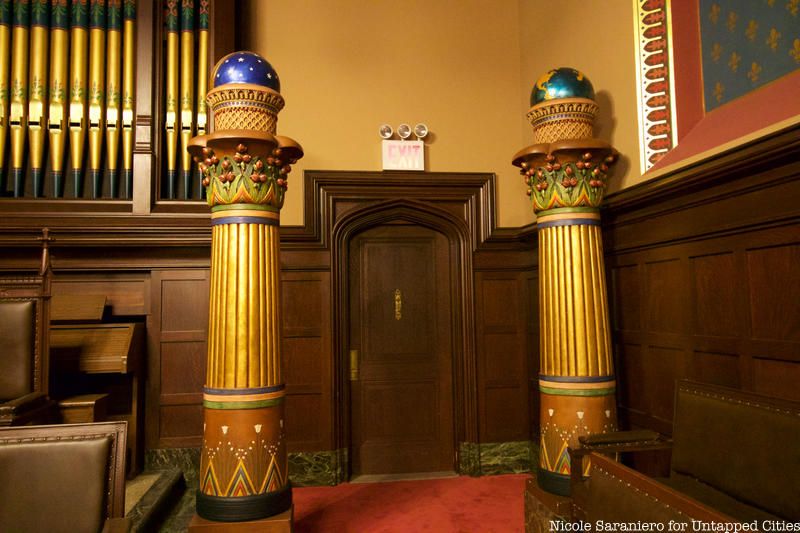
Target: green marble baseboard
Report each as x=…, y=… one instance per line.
x=492, y=458
x=469, y=459
x=330, y=467
x=186, y=459
x=308, y=469
x=508, y=457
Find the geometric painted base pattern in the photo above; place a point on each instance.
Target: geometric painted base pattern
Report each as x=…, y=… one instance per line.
x=244, y=451
x=570, y=414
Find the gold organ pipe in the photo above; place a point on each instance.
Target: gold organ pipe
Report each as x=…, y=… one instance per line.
x=171, y=105
x=19, y=94
x=113, y=93
x=202, y=77
x=5, y=54
x=97, y=51
x=37, y=111
x=79, y=43
x=128, y=95
x=187, y=93
x=57, y=119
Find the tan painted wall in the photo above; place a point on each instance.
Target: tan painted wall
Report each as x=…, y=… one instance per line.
x=597, y=38
x=464, y=68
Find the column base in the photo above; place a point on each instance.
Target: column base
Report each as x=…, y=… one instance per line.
x=541, y=508
x=244, y=508
x=552, y=482
x=280, y=523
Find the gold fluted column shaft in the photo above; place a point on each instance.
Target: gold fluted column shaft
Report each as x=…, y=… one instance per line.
x=244, y=309
x=244, y=458
x=573, y=315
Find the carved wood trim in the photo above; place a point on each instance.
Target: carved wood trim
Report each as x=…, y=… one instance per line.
x=465, y=382
x=707, y=199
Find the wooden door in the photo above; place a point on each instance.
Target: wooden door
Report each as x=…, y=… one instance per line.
x=400, y=323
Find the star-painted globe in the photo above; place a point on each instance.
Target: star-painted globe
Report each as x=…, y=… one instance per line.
x=245, y=67
x=561, y=82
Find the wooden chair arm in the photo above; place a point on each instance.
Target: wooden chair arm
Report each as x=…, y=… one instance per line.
x=22, y=403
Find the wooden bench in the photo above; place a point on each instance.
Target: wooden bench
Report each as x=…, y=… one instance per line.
x=735, y=457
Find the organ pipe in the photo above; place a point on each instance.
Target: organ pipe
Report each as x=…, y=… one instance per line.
x=19, y=93
x=79, y=43
x=171, y=110
x=97, y=51
x=59, y=49
x=37, y=118
x=128, y=94
x=5, y=47
x=113, y=95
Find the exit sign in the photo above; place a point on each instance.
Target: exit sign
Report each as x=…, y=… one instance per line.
x=403, y=155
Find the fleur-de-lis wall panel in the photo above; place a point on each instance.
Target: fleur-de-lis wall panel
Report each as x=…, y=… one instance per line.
x=745, y=45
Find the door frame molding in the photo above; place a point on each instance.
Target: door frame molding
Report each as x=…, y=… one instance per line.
x=464, y=357
x=461, y=206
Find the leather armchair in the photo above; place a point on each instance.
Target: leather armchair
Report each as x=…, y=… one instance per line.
x=63, y=478
x=24, y=346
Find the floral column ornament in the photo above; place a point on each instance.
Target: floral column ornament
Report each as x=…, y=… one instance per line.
x=566, y=170
x=245, y=166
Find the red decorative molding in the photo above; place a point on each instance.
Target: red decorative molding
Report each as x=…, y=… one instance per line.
x=655, y=85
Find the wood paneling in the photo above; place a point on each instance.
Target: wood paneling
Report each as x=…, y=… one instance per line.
x=155, y=265
x=177, y=332
x=504, y=312
x=126, y=294
x=703, y=265
x=306, y=358
x=718, y=303
x=774, y=286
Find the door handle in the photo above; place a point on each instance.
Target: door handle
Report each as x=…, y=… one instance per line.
x=354, y=365
x=398, y=304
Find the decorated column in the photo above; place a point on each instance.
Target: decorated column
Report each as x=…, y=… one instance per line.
x=243, y=463
x=566, y=171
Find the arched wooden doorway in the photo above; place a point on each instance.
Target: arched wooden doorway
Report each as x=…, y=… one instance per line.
x=406, y=409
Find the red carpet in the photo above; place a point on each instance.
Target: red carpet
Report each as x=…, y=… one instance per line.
x=461, y=504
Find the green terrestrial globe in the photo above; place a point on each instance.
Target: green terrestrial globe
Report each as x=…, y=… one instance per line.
x=561, y=82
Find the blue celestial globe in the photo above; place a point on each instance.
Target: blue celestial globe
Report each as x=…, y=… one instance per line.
x=245, y=67
x=561, y=82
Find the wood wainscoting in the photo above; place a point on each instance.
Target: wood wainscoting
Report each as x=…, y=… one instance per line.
x=704, y=278
x=155, y=269
x=490, y=273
